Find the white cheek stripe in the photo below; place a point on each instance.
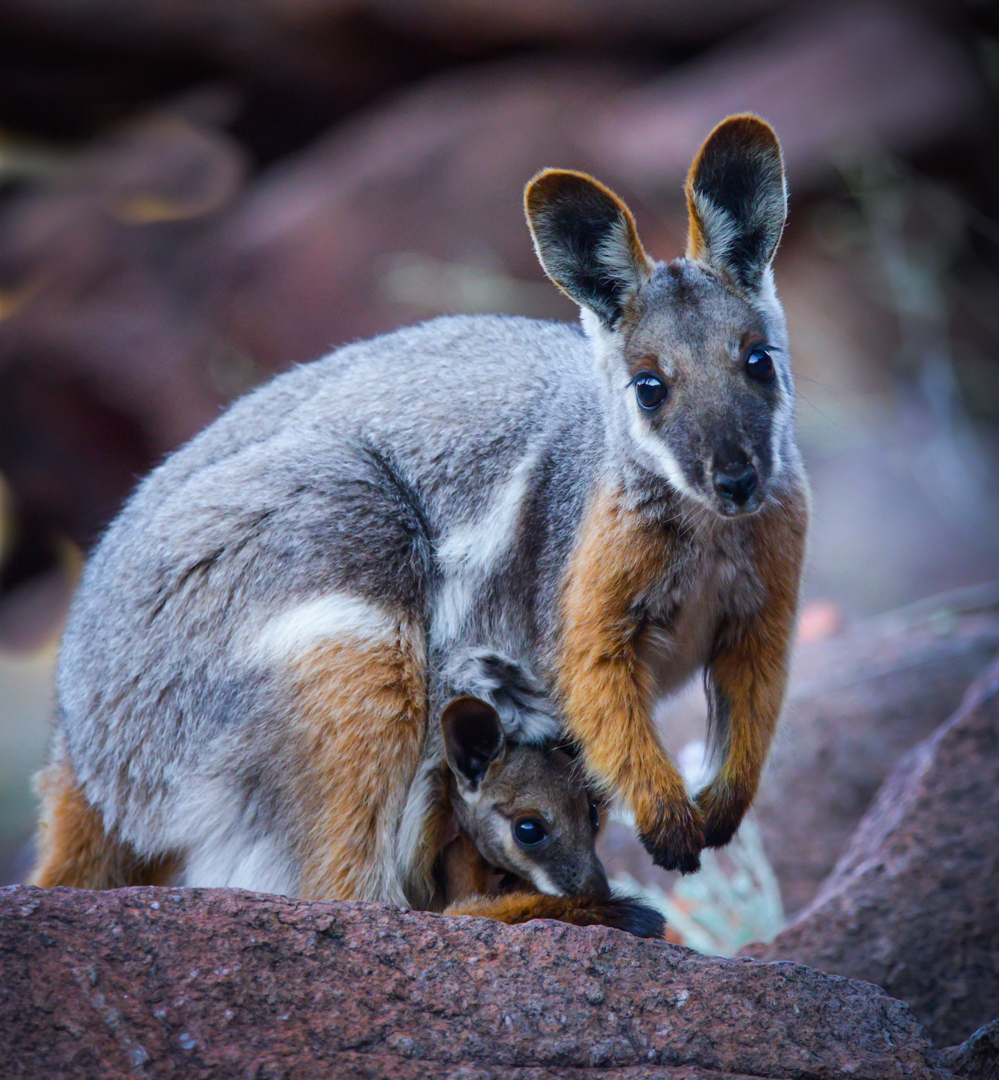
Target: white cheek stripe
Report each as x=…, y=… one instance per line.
x=543, y=883
x=335, y=616
x=662, y=457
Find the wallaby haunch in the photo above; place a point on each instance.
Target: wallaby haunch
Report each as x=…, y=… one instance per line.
x=260, y=638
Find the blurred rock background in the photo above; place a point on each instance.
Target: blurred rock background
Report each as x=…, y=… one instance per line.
x=194, y=196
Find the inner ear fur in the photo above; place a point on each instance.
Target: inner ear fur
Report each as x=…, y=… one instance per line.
x=473, y=738
x=586, y=241
x=737, y=199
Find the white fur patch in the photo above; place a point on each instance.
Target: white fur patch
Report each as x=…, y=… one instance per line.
x=606, y=343
x=469, y=553
x=662, y=457
x=543, y=883
x=237, y=862
x=337, y=615
x=719, y=228
x=616, y=256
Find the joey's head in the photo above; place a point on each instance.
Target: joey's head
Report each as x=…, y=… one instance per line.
x=526, y=808
x=693, y=352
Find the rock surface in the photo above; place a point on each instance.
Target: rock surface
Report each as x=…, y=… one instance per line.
x=172, y=982
x=857, y=704
x=911, y=905
x=976, y=1058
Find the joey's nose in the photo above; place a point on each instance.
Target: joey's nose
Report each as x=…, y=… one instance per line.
x=736, y=483
x=595, y=883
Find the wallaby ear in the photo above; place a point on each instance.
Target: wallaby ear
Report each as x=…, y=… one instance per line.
x=737, y=200
x=586, y=241
x=473, y=738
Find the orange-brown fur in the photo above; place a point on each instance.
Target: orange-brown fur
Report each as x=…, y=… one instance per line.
x=522, y=907
x=604, y=687
x=361, y=717
x=75, y=850
x=750, y=666
x=462, y=874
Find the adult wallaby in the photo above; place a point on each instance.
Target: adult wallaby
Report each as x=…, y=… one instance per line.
x=520, y=842
x=259, y=639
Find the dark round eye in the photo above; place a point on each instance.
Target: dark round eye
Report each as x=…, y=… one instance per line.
x=529, y=831
x=651, y=390
x=759, y=366
x=595, y=816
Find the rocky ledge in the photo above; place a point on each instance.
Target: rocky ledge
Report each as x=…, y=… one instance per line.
x=212, y=983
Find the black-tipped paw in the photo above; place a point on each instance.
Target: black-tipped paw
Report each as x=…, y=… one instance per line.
x=676, y=841
x=722, y=815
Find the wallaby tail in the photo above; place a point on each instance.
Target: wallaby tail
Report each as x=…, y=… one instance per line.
x=621, y=913
x=74, y=849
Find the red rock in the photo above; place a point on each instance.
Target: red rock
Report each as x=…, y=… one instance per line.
x=911, y=905
x=829, y=79
x=857, y=704
x=190, y=983
x=977, y=1058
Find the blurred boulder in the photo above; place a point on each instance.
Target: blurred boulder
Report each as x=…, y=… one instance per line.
x=68, y=69
x=857, y=704
x=830, y=78
x=911, y=905
x=104, y=350
x=199, y=983
x=977, y=1058
x=411, y=210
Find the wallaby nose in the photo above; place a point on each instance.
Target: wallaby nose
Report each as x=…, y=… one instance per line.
x=736, y=483
x=596, y=883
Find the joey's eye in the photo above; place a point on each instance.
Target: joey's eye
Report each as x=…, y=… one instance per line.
x=595, y=816
x=650, y=390
x=759, y=366
x=529, y=831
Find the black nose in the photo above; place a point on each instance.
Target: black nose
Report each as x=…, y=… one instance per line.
x=592, y=883
x=736, y=483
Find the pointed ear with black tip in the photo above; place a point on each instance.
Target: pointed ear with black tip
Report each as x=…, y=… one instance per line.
x=586, y=241
x=737, y=200
x=473, y=739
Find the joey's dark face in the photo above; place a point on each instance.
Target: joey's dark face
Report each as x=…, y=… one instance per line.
x=703, y=380
x=534, y=817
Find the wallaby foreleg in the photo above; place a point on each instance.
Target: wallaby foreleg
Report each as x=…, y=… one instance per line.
x=747, y=677
x=621, y=913
x=605, y=688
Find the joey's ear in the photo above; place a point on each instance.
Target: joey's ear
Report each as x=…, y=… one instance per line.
x=473, y=738
x=737, y=200
x=586, y=241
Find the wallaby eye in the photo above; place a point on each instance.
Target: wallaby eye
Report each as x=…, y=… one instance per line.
x=759, y=366
x=529, y=831
x=595, y=816
x=650, y=389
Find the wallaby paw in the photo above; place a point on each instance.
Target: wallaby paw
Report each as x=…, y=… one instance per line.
x=723, y=811
x=676, y=838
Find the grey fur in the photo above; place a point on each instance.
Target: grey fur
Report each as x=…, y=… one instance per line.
x=389, y=471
